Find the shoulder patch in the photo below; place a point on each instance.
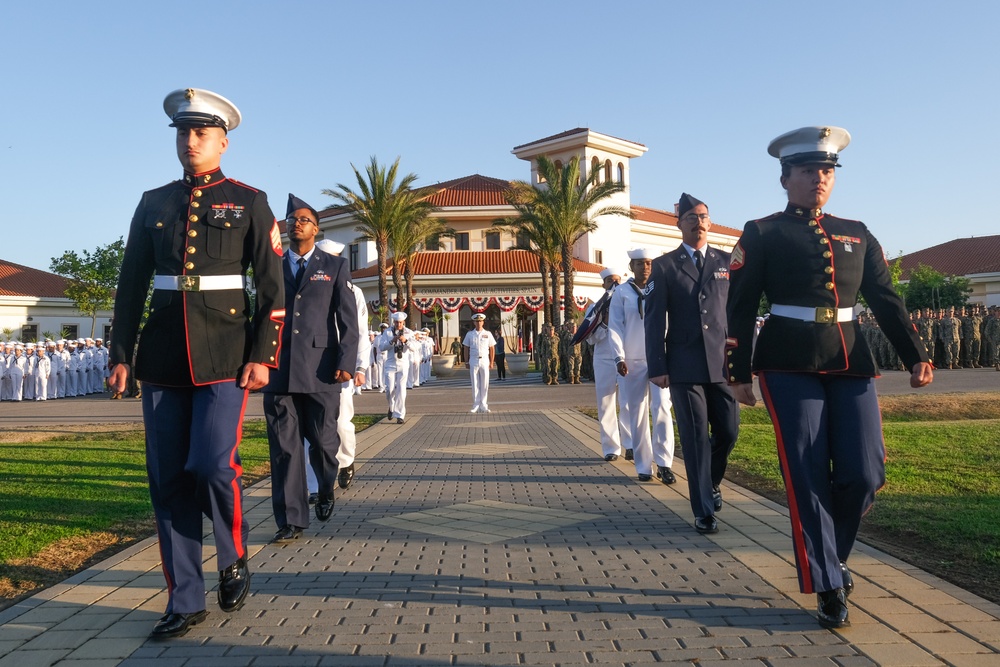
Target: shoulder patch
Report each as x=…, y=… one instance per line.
x=737, y=259
x=276, y=238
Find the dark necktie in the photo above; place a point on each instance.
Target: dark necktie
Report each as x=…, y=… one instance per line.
x=699, y=261
x=300, y=272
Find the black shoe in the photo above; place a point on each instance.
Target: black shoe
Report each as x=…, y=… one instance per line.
x=832, y=609
x=234, y=584
x=286, y=534
x=845, y=575
x=628, y=455
x=313, y=498
x=717, y=498
x=388, y=415
x=324, y=507
x=399, y=420
x=706, y=525
x=665, y=475
x=176, y=625
x=346, y=476
x=645, y=478
x=611, y=457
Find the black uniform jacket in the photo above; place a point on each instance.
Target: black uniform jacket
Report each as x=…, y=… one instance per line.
x=203, y=225
x=321, y=333
x=693, y=310
x=806, y=258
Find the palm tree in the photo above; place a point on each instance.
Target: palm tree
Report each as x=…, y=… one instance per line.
x=565, y=207
x=404, y=242
x=379, y=206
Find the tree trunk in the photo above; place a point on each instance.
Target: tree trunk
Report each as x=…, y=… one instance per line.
x=397, y=281
x=568, y=281
x=556, y=315
x=411, y=306
x=382, y=253
x=543, y=268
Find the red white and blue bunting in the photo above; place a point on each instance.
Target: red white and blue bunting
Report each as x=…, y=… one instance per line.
x=451, y=304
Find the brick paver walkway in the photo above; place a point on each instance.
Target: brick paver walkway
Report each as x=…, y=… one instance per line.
x=504, y=539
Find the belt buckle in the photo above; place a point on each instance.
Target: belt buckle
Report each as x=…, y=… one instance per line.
x=826, y=315
x=189, y=283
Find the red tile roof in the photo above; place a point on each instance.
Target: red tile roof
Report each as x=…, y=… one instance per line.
x=961, y=257
x=569, y=133
x=17, y=280
x=475, y=190
x=662, y=217
x=476, y=263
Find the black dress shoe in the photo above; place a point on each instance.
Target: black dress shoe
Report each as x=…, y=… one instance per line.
x=629, y=456
x=177, y=625
x=286, y=534
x=324, y=507
x=611, y=457
x=388, y=415
x=706, y=525
x=645, y=478
x=234, y=584
x=346, y=476
x=665, y=475
x=717, y=498
x=832, y=609
x=399, y=420
x=845, y=575
x=313, y=498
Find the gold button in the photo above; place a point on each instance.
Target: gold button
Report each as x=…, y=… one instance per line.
x=191, y=250
x=193, y=218
x=730, y=353
x=829, y=269
x=824, y=240
x=232, y=311
x=208, y=177
x=732, y=379
x=277, y=326
x=813, y=223
x=227, y=224
x=827, y=254
x=189, y=265
x=829, y=286
x=192, y=233
x=195, y=204
x=730, y=365
x=197, y=193
x=272, y=358
x=274, y=342
x=159, y=224
x=819, y=231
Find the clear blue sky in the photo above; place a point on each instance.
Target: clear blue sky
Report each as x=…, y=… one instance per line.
x=451, y=87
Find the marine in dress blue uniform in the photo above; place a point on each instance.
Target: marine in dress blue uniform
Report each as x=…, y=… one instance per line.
x=319, y=346
x=685, y=351
x=816, y=372
x=202, y=348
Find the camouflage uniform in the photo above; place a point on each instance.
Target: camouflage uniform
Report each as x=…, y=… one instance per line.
x=548, y=355
x=926, y=329
x=949, y=329
x=991, y=339
x=570, y=355
x=972, y=335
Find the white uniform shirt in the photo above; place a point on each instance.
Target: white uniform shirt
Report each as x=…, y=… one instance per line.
x=600, y=337
x=626, y=329
x=479, y=344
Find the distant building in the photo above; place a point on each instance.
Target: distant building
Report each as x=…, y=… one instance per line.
x=33, y=303
x=477, y=271
x=976, y=258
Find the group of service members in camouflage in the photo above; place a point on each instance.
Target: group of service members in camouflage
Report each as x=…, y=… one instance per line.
x=966, y=337
x=557, y=356
x=52, y=369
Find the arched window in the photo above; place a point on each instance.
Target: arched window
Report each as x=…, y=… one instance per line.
x=607, y=171
x=595, y=166
x=621, y=173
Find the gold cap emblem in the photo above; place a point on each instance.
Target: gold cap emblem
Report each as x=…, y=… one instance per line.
x=824, y=132
x=189, y=93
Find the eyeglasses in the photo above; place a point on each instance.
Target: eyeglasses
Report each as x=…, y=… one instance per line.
x=305, y=220
x=697, y=217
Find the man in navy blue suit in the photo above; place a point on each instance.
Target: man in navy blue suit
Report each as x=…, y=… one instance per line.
x=685, y=351
x=317, y=355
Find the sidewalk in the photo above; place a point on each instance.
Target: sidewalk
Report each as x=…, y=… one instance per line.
x=505, y=539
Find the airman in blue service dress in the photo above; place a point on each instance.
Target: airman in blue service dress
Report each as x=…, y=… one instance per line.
x=202, y=348
x=815, y=370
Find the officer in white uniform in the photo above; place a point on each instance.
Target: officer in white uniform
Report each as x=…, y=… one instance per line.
x=628, y=340
x=380, y=357
x=17, y=366
x=613, y=423
x=101, y=370
x=41, y=372
x=6, y=354
x=400, y=345
x=479, y=348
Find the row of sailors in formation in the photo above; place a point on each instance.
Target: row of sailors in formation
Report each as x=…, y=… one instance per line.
x=53, y=369
x=418, y=357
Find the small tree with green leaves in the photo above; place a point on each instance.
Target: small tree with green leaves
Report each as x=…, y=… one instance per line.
x=91, y=277
x=928, y=288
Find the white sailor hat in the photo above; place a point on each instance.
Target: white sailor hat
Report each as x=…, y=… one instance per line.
x=98, y=340
x=194, y=107
x=383, y=326
x=30, y=346
x=479, y=316
x=608, y=272
x=810, y=145
x=641, y=253
x=330, y=246
x=18, y=346
x=72, y=343
x=426, y=330
x=398, y=316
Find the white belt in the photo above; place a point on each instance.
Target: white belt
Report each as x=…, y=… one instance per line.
x=821, y=314
x=197, y=283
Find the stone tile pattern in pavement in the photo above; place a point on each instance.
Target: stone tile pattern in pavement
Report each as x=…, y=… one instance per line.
x=615, y=575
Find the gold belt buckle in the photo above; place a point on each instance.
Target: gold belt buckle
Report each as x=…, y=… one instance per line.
x=826, y=315
x=189, y=283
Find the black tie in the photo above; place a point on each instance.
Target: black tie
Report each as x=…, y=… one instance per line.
x=699, y=261
x=299, y=273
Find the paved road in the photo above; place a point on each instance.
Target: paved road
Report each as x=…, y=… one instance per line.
x=439, y=396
